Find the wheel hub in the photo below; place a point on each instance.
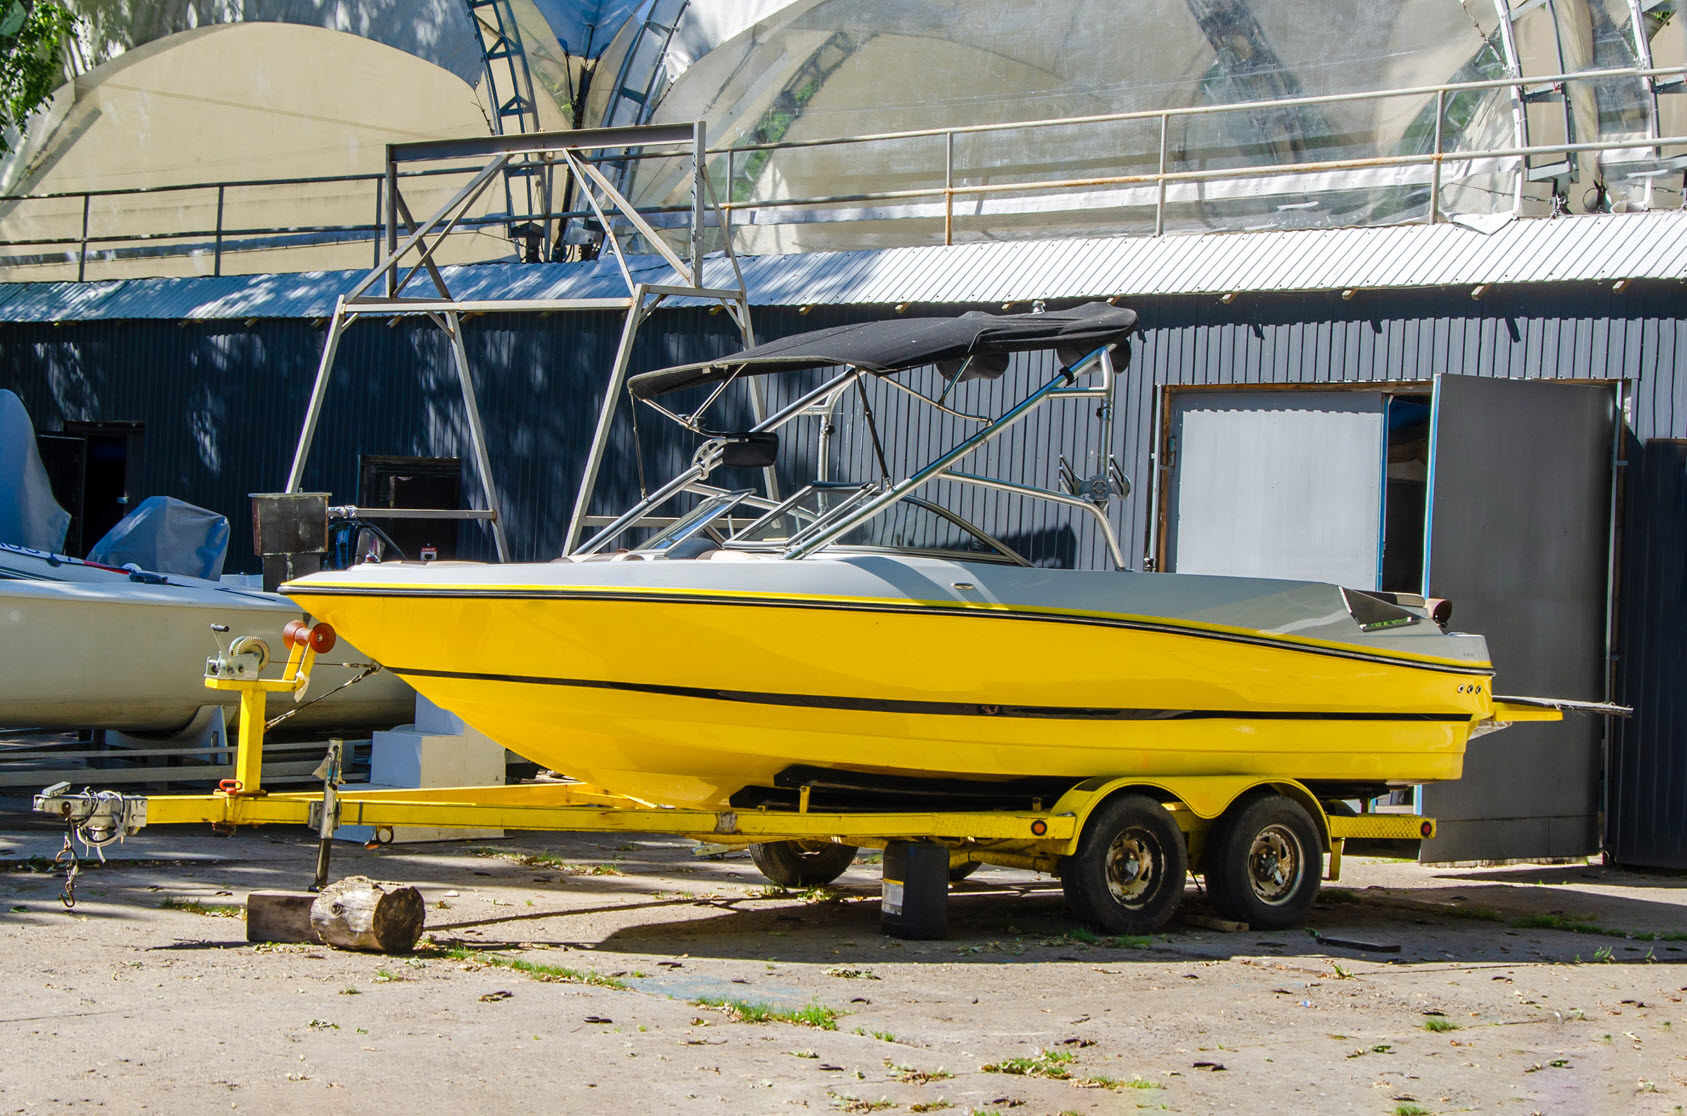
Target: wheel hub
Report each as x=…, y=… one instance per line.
x=1274, y=864
x=1130, y=866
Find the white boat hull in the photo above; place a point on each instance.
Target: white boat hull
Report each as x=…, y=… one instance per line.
x=97, y=650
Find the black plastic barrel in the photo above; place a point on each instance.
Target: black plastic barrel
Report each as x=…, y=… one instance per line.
x=915, y=901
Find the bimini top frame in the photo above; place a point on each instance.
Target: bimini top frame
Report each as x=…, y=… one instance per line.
x=1087, y=372
x=386, y=290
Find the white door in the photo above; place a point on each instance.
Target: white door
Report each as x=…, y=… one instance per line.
x=1282, y=484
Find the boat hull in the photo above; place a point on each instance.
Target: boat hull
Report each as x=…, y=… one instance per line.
x=128, y=656
x=685, y=694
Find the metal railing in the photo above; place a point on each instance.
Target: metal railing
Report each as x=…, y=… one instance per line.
x=219, y=239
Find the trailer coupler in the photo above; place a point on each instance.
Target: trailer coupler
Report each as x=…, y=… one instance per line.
x=96, y=818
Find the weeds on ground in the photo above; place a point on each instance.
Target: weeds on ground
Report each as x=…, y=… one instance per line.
x=852, y=974
x=749, y=1011
x=1410, y=1110
x=527, y=860
x=1567, y=924
x=550, y=974
x=1045, y=1063
x=1439, y=1026
x=937, y=1105
x=848, y=1103
x=214, y=910
x=882, y=1036
x=908, y=1075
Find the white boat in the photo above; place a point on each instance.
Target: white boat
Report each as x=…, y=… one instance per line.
x=84, y=646
x=110, y=644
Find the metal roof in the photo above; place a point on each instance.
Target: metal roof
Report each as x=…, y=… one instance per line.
x=1605, y=247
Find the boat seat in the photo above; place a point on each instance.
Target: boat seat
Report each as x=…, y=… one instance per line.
x=694, y=547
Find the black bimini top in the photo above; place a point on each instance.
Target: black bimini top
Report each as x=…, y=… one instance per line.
x=981, y=341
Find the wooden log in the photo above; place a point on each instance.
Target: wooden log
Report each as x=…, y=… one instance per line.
x=279, y=916
x=358, y=913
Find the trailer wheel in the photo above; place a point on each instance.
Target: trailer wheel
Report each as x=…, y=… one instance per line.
x=1127, y=875
x=802, y=863
x=1264, y=863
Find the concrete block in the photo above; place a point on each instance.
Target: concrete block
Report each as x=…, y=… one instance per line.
x=410, y=757
x=279, y=916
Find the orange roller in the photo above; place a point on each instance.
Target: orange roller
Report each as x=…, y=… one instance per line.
x=295, y=633
x=322, y=639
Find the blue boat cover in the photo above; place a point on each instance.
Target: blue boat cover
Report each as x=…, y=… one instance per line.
x=29, y=516
x=168, y=536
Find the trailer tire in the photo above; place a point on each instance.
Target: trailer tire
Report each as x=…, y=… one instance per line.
x=802, y=863
x=1264, y=863
x=1128, y=873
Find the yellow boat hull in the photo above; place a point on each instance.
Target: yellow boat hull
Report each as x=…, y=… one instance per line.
x=647, y=695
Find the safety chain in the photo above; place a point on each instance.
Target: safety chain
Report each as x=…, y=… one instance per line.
x=368, y=670
x=67, y=859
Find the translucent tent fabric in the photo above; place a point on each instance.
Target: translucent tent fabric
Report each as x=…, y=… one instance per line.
x=815, y=69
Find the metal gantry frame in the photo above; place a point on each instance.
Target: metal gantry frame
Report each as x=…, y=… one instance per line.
x=411, y=245
x=820, y=401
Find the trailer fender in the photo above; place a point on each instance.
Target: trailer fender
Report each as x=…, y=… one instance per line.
x=1203, y=799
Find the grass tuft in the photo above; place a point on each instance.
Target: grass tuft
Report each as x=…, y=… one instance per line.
x=1045, y=1063
x=213, y=910
x=1439, y=1026
x=750, y=1011
x=550, y=974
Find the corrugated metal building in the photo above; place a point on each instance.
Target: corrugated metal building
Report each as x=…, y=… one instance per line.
x=218, y=371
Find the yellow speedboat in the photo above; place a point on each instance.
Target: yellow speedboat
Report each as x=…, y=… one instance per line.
x=720, y=645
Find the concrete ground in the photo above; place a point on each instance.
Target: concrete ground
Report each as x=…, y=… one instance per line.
x=574, y=974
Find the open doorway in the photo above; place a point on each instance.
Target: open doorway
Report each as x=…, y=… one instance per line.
x=91, y=466
x=390, y=481
x=1405, y=493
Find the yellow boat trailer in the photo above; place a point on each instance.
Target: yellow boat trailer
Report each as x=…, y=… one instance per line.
x=1045, y=838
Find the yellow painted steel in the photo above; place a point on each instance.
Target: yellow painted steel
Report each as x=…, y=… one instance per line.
x=649, y=697
x=1511, y=712
x=249, y=747
x=1388, y=827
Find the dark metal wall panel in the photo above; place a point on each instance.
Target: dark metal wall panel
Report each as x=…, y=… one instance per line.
x=1647, y=765
x=222, y=402
x=1517, y=539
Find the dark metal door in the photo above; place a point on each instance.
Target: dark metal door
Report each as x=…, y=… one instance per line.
x=1518, y=539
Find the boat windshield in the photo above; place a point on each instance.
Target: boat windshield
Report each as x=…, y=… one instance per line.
x=912, y=524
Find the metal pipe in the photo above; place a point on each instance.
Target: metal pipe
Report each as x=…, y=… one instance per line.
x=636, y=512
x=1160, y=199
x=390, y=220
x=1208, y=110
x=313, y=412
x=1114, y=550
x=948, y=187
x=389, y=266
x=941, y=463
x=82, y=256
x=217, y=260
x=699, y=145
x=477, y=434
x=1435, y=170
x=606, y=415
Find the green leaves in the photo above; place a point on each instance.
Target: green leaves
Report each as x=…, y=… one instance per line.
x=32, y=33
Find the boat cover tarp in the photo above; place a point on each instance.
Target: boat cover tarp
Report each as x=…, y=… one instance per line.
x=898, y=344
x=29, y=516
x=168, y=536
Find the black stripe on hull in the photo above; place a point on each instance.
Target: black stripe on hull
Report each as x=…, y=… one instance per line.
x=911, y=607
x=935, y=708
